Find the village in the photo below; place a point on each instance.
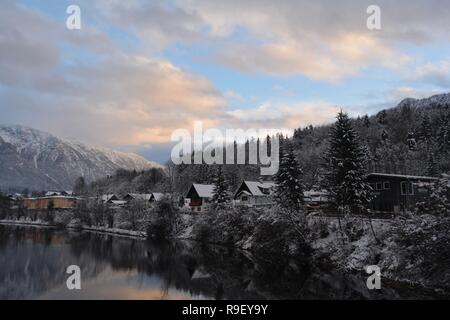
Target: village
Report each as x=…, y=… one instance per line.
x=333, y=213
x=393, y=193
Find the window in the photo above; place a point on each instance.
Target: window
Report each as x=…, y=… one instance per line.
x=407, y=188
x=379, y=186
x=244, y=198
x=410, y=189
x=386, y=185
x=403, y=188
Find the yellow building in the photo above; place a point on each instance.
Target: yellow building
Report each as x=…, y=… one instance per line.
x=59, y=202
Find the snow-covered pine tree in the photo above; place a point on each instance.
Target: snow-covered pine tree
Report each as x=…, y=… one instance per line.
x=366, y=121
x=411, y=142
x=443, y=135
x=345, y=167
x=432, y=166
x=289, y=190
x=438, y=201
x=221, y=196
x=425, y=130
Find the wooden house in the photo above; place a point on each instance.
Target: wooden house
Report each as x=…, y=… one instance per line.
x=56, y=202
x=109, y=198
x=157, y=196
x=144, y=197
x=254, y=194
x=316, y=199
x=395, y=193
x=199, y=196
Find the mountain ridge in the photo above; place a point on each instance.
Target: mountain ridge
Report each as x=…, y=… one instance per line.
x=38, y=160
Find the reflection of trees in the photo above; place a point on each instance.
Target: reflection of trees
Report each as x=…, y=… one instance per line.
x=34, y=260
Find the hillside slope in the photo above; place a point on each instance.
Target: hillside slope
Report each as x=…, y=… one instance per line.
x=40, y=161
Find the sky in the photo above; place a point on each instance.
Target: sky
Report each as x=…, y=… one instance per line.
x=137, y=70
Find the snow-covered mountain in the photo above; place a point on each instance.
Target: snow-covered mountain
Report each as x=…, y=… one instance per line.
x=38, y=160
x=433, y=101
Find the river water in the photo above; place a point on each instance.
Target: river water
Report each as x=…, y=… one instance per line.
x=33, y=263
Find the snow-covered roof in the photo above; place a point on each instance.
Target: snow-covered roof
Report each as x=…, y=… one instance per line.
x=140, y=196
x=204, y=190
x=316, y=193
x=158, y=196
x=256, y=187
x=244, y=192
x=119, y=202
x=52, y=193
x=389, y=175
x=108, y=197
x=15, y=196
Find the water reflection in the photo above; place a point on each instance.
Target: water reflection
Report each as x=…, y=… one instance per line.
x=33, y=263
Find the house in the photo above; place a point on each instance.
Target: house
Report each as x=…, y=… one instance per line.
x=157, y=196
x=395, y=192
x=109, y=198
x=58, y=193
x=199, y=196
x=316, y=199
x=52, y=193
x=254, y=194
x=118, y=203
x=16, y=197
x=138, y=197
x=56, y=202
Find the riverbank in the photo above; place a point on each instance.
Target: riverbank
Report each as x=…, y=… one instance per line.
x=400, y=248
x=204, y=271
x=102, y=230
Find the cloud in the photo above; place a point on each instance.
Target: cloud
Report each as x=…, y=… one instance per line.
x=110, y=98
x=401, y=93
x=91, y=86
x=322, y=40
x=158, y=23
x=283, y=116
x=437, y=73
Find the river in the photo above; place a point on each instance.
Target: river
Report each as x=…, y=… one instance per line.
x=33, y=263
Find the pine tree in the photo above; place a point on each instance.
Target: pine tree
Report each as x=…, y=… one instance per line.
x=432, y=166
x=345, y=167
x=366, y=121
x=443, y=135
x=438, y=201
x=411, y=142
x=426, y=130
x=384, y=135
x=382, y=117
x=289, y=190
x=221, y=196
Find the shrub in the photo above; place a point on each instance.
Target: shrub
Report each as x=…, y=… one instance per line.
x=421, y=248
x=162, y=220
x=277, y=233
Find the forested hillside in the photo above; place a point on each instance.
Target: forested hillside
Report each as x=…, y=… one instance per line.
x=412, y=138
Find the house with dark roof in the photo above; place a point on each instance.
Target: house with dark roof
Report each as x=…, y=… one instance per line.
x=199, y=196
x=109, y=198
x=396, y=193
x=144, y=197
x=157, y=196
x=254, y=194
